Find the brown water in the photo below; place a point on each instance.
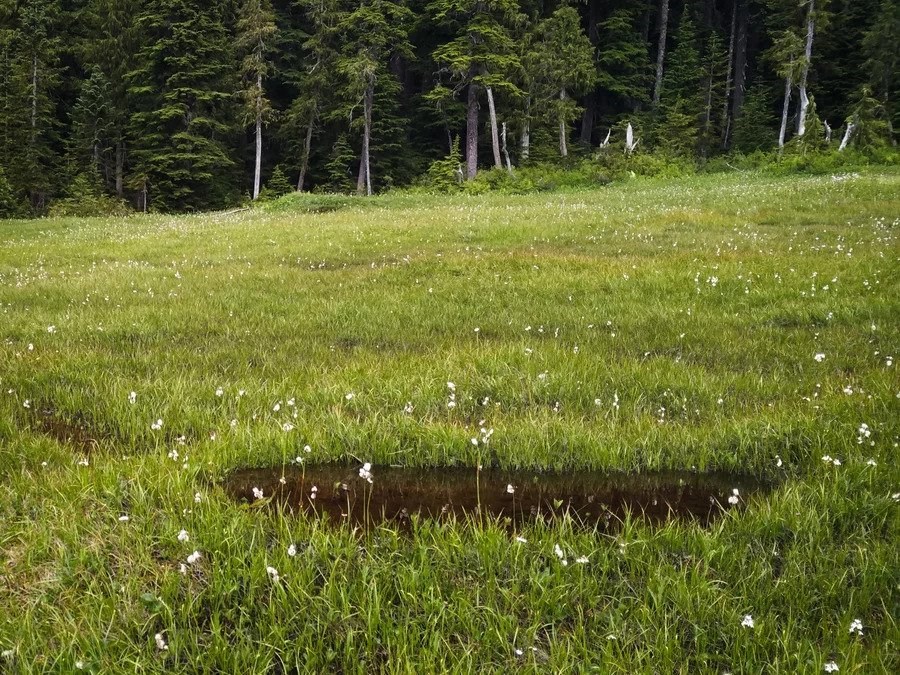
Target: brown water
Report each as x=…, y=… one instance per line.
x=396, y=493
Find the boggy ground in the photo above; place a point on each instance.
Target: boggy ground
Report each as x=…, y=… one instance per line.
x=726, y=323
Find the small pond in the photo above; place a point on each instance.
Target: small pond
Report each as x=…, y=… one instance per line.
x=397, y=493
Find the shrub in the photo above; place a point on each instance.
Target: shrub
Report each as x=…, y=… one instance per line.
x=85, y=198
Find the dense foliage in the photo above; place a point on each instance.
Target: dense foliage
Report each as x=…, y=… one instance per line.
x=176, y=106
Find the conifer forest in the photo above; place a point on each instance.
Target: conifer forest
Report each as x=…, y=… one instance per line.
x=171, y=105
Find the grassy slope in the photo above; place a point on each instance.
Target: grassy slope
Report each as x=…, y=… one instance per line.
x=383, y=299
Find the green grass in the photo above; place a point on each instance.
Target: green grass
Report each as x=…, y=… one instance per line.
x=589, y=320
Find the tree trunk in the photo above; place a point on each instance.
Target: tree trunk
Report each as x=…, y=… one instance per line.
x=563, y=131
x=506, y=151
x=495, y=136
x=645, y=22
x=34, y=96
x=120, y=167
x=849, y=132
x=740, y=59
x=661, y=49
x=257, y=172
x=525, y=141
x=726, y=118
x=784, y=111
x=307, y=147
x=804, y=74
x=364, y=184
x=587, y=118
x=472, y=132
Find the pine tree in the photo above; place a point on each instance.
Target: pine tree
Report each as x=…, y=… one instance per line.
x=313, y=75
x=256, y=35
x=752, y=130
x=183, y=91
x=339, y=167
x=108, y=53
x=481, y=55
x=624, y=64
x=880, y=46
x=681, y=101
x=30, y=46
x=562, y=63
x=93, y=126
x=374, y=31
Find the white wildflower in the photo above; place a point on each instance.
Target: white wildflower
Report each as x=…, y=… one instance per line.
x=734, y=498
x=292, y=550
x=831, y=667
x=132, y=397
x=273, y=574
x=856, y=627
x=366, y=472
x=193, y=557
x=747, y=621
x=819, y=357
x=161, y=642
x=157, y=425
x=124, y=519
x=257, y=493
x=510, y=489
x=183, y=536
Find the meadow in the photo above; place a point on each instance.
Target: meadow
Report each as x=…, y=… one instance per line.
x=739, y=323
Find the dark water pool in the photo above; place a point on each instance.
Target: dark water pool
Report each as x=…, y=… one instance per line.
x=397, y=493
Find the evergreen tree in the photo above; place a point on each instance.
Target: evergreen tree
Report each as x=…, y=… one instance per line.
x=256, y=32
x=108, y=54
x=313, y=76
x=481, y=55
x=752, y=130
x=375, y=31
x=183, y=92
x=881, y=46
x=562, y=63
x=681, y=101
x=623, y=60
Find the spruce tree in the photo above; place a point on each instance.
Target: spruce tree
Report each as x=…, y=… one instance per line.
x=481, y=55
x=256, y=35
x=880, y=46
x=681, y=101
x=623, y=60
x=562, y=63
x=374, y=31
x=183, y=92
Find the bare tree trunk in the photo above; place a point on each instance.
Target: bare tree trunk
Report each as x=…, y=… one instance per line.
x=525, y=143
x=847, y=134
x=784, y=111
x=364, y=184
x=257, y=172
x=661, y=49
x=120, y=167
x=472, y=132
x=495, y=136
x=506, y=151
x=307, y=147
x=804, y=99
x=563, y=131
x=726, y=118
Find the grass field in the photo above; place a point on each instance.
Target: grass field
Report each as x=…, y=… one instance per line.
x=732, y=323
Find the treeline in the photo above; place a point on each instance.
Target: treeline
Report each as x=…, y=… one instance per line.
x=179, y=105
